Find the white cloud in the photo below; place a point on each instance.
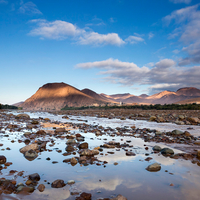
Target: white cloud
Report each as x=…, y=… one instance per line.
x=165, y=74
x=29, y=8
x=112, y=20
x=187, y=22
x=181, y=1
x=134, y=39
x=60, y=30
x=151, y=35
x=98, y=39
x=54, y=30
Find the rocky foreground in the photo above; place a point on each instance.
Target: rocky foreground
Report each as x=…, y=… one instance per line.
x=41, y=135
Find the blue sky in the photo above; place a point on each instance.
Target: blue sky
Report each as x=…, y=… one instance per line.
x=109, y=46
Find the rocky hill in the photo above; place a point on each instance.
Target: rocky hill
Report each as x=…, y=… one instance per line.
x=56, y=96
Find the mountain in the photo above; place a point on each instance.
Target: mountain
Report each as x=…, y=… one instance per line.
x=18, y=104
x=56, y=96
x=190, y=101
x=96, y=96
x=164, y=97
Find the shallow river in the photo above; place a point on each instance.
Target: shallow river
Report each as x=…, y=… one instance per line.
x=129, y=177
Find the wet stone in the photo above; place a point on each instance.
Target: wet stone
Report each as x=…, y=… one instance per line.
x=58, y=183
x=166, y=151
x=154, y=167
x=34, y=177
x=2, y=159
x=41, y=187
x=130, y=153
x=86, y=196
x=157, y=148
x=83, y=145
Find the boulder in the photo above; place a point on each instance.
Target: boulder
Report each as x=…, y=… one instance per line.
x=193, y=120
x=69, y=148
x=154, y=167
x=34, y=177
x=83, y=145
x=130, y=153
x=60, y=130
x=29, y=147
x=41, y=187
x=58, y=183
x=166, y=151
x=73, y=161
x=30, y=155
x=177, y=132
x=87, y=152
x=157, y=148
x=86, y=196
x=22, y=116
x=41, y=132
x=2, y=159
x=152, y=119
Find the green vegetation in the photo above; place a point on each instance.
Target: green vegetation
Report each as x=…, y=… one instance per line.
x=7, y=106
x=193, y=106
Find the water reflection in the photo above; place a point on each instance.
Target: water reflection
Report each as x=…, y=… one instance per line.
x=129, y=177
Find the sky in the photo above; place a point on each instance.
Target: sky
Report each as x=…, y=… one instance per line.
x=108, y=46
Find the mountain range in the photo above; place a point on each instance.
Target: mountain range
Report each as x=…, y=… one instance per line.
x=55, y=96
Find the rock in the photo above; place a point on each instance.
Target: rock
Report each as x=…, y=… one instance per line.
x=70, y=182
x=65, y=117
x=198, y=153
x=160, y=119
x=28, y=147
x=34, y=177
x=30, y=155
x=41, y=187
x=181, y=117
x=152, y=118
x=197, y=142
x=41, y=132
x=108, y=146
x=87, y=152
x=130, y=153
x=69, y=148
x=83, y=145
x=179, y=122
x=119, y=197
x=34, y=122
x=46, y=119
x=2, y=159
x=71, y=141
x=86, y=196
x=60, y=130
x=58, y=183
x=22, y=116
x=193, y=120
x=158, y=133
x=73, y=161
x=157, y=148
x=177, y=132
x=154, y=167
x=166, y=151
x=28, y=182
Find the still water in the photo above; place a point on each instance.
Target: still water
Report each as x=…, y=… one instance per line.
x=128, y=177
